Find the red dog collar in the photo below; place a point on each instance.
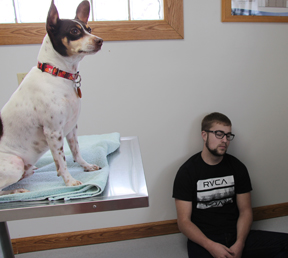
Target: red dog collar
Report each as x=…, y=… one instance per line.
x=44, y=67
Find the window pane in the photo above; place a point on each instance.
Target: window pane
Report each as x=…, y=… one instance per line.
x=146, y=9
x=6, y=11
x=29, y=11
x=26, y=14
x=68, y=13
x=110, y=10
x=32, y=10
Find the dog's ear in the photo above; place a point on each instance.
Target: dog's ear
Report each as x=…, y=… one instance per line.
x=52, y=18
x=82, y=12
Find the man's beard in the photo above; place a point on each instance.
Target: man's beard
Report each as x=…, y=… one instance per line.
x=214, y=151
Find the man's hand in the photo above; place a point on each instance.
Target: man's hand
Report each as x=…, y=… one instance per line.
x=221, y=251
x=237, y=249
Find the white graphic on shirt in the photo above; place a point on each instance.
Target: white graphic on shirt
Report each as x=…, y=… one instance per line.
x=215, y=192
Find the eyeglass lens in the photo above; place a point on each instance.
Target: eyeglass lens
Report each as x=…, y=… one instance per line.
x=220, y=135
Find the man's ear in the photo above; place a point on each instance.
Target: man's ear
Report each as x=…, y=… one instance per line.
x=204, y=135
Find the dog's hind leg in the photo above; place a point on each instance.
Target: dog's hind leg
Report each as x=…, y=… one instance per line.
x=11, y=171
x=74, y=147
x=28, y=171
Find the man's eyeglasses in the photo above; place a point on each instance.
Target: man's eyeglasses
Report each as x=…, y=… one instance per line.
x=220, y=135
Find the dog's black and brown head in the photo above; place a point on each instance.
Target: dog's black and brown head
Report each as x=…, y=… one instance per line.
x=72, y=37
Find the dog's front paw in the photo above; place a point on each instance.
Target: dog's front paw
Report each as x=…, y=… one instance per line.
x=91, y=167
x=73, y=182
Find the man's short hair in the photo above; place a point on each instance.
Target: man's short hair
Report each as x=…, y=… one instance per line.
x=212, y=118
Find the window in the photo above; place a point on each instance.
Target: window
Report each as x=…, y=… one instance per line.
x=170, y=27
x=20, y=11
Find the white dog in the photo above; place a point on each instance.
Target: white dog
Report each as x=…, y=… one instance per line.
x=46, y=106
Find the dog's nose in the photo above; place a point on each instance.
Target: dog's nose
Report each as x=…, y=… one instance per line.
x=99, y=42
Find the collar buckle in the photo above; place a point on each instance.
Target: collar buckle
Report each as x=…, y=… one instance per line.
x=55, y=71
x=42, y=66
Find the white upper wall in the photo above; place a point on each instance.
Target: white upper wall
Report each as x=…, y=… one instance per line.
x=160, y=90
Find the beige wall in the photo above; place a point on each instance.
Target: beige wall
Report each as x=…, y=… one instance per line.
x=160, y=90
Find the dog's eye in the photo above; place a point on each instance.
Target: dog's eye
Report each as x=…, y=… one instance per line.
x=75, y=31
x=89, y=29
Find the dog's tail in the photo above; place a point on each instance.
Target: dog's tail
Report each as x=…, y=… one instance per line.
x=1, y=127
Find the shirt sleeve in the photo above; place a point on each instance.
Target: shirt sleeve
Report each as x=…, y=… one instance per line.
x=243, y=182
x=183, y=187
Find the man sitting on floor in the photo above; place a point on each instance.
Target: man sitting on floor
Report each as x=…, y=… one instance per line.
x=212, y=196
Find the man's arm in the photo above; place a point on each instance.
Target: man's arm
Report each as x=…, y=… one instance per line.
x=189, y=229
x=244, y=222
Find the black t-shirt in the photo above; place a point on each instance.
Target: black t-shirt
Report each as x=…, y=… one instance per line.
x=212, y=191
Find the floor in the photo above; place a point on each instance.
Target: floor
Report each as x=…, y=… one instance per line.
x=169, y=246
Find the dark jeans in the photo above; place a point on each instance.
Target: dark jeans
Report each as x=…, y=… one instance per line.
x=259, y=244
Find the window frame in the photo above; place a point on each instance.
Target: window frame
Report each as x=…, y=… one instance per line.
x=172, y=27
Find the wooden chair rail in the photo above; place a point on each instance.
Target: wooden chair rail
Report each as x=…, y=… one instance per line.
x=270, y=211
x=97, y=236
